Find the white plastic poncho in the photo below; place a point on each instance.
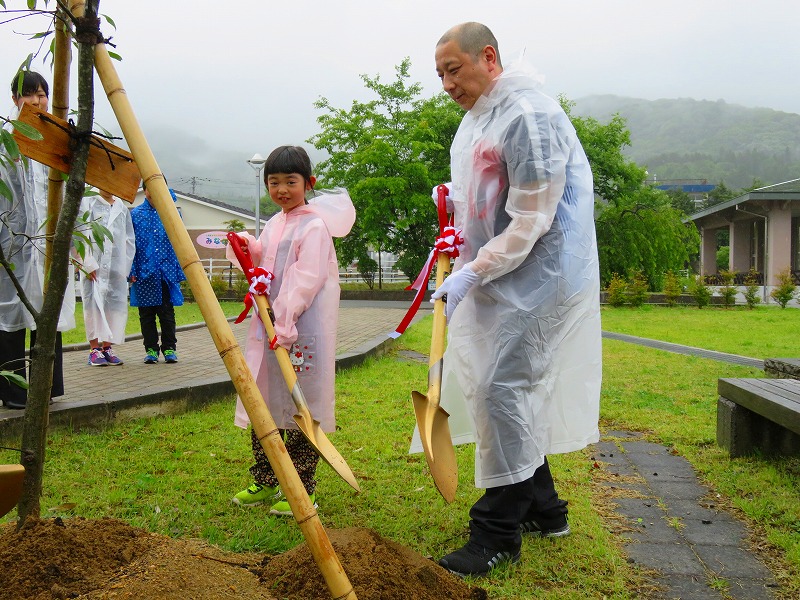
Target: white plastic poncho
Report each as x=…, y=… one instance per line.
x=524, y=346
x=105, y=300
x=26, y=213
x=297, y=248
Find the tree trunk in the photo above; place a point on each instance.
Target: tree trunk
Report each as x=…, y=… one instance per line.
x=34, y=433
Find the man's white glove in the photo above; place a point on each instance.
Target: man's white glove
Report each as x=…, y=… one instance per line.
x=456, y=286
x=448, y=199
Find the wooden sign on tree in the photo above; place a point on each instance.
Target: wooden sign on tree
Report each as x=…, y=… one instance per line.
x=110, y=167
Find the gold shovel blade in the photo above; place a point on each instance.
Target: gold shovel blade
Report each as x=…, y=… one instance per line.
x=11, y=477
x=434, y=431
x=326, y=450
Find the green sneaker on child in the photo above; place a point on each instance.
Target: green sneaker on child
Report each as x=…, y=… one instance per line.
x=256, y=494
x=283, y=509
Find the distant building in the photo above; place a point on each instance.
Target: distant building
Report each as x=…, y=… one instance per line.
x=697, y=189
x=764, y=229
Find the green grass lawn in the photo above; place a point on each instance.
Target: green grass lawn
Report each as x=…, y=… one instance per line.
x=764, y=332
x=175, y=475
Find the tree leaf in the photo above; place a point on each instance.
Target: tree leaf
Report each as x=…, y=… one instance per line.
x=14, y=378
x=10, y=144
x=115, y=56
x=110, y=21
x=5, y=191
x=27, y=130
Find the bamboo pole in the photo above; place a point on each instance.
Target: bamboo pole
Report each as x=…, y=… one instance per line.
x=229, y=350
x=59, y=107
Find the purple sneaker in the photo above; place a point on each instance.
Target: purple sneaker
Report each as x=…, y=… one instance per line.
x=111, y=358
x=97, y=359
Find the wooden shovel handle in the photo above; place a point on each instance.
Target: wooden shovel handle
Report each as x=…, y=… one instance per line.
x=262, y=303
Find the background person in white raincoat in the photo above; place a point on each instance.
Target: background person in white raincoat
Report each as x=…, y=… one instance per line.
x=524, y=346
x=104, y=278
x=22, y=229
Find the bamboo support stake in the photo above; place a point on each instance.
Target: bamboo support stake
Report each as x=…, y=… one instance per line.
x=59, y=106
x=263, y=424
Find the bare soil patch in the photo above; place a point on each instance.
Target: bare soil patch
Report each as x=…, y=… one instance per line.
x=56, y=559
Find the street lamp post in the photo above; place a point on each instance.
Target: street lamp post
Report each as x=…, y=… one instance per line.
x=257, y=162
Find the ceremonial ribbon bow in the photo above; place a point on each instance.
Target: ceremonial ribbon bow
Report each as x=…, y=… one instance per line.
x=448, y=242
x=260, y=279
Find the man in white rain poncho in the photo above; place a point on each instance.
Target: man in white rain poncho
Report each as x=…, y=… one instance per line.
x=104, y=278
x=22, y=237
x=524, y=347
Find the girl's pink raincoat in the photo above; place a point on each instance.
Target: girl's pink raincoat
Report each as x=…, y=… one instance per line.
x=297, y=248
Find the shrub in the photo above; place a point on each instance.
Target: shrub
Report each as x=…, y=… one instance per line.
x=186, y=290
x=701, y=293
x=751, y=286
x=636, y=292
x=615, y=292
x=672, y=288
x=241, y=285
x=219, y=285
x=728, y=291
x=785, y=289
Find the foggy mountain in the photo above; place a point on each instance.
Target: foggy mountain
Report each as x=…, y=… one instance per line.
x=700, y=139
x=673, y=138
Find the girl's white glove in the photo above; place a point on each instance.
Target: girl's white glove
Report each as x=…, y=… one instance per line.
x=456, y=286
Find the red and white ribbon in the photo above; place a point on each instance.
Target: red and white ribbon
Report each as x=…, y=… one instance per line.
x=449, y=242
x=260, y=283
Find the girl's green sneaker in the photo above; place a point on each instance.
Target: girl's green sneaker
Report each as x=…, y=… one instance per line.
x=256, y=494
x=283, y=509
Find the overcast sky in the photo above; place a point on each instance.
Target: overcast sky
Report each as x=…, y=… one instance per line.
x=222, y=81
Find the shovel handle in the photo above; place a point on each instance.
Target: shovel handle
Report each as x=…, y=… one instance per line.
x=262, y=302
x=439, y=318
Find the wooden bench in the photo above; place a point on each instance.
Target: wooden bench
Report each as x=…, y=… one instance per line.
x=759, y=415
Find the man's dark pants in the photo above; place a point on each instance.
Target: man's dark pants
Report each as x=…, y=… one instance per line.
x=496, y=517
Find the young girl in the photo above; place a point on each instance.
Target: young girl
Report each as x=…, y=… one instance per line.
x=296, y=247
x=104, y=278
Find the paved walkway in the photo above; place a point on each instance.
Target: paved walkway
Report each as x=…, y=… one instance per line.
x=670, y=521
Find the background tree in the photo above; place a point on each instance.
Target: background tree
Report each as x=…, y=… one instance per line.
x=234, y=225
x=720, y=193
x=642, y=231
x=388, y=152
x=681, y=200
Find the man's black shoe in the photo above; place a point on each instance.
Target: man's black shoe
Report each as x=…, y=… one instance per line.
x=476, y=560
x=15, y=405
x=540, y=526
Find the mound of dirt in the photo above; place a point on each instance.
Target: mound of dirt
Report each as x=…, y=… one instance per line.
x=56, y=559
x=376, y=567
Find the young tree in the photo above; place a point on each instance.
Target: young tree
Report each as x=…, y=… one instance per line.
x=728, y=291
x=41, y=369
x=785, y=290
x=751, y=287
x=701, y=292
x=672, y=288
x=388, y=152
